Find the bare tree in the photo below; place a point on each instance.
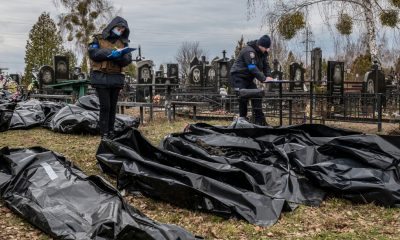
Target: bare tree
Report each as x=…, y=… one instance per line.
x=278, y=48
x=288, y=15
x=388, y=54
x=186, y=52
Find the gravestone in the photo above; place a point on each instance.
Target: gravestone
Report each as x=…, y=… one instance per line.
x=211, y=77
x=173, y=70
x=173, y=73
x=335, y=72
x=374, y=81
x=194, y=62
x=167, y=74
x=46, y=76
x=196, y=76
x=61, y=68
x=160, y=75
x=223, y=71
x=197, y=73
x=297, y=77
x=159, y=79
x=78, y=74
x=162, y=70
x=276, y=74
x=144, y=72
x=82, y=76
x=316, y=66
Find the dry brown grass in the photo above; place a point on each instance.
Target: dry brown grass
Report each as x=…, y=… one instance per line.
x=335, y=219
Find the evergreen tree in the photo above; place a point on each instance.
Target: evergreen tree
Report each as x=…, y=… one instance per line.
x=360, y=66
x=84, y=64
x=44, y=42
x=240, y=45
x=130, y=70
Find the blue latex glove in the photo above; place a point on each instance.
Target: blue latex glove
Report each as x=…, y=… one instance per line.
x=115, y=54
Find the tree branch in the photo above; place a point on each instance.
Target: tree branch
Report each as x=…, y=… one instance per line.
x=379, y=6
x=297, y=7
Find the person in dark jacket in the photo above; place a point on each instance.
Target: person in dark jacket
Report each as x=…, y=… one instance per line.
x=252, y=63
x=107, y=70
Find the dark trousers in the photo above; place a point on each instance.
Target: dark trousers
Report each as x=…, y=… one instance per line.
x=108, y=98
x=256, y=103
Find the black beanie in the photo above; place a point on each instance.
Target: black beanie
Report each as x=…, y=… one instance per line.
x=264, y=41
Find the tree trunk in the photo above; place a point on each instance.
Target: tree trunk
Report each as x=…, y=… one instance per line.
x=87, y=62
x=370, y=23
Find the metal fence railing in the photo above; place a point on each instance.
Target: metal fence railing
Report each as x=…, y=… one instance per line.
x=293, y=107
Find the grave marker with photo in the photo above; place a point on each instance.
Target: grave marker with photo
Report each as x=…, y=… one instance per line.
x=335, y=72
x=61, y=68
x=276, y=74
x=297, y=77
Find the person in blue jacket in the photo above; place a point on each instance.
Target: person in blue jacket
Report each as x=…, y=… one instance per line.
x=252, y=63
x=107, y=63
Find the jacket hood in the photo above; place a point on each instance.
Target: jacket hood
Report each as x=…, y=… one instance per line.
x=254, y=45
x=117, y=21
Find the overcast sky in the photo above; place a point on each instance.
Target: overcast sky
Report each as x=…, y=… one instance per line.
x=159, y=26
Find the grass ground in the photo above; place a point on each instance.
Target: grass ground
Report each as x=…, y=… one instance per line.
x=334, y=219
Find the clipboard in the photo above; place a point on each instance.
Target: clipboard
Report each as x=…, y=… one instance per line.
x=124, y=50
x=127, y=50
